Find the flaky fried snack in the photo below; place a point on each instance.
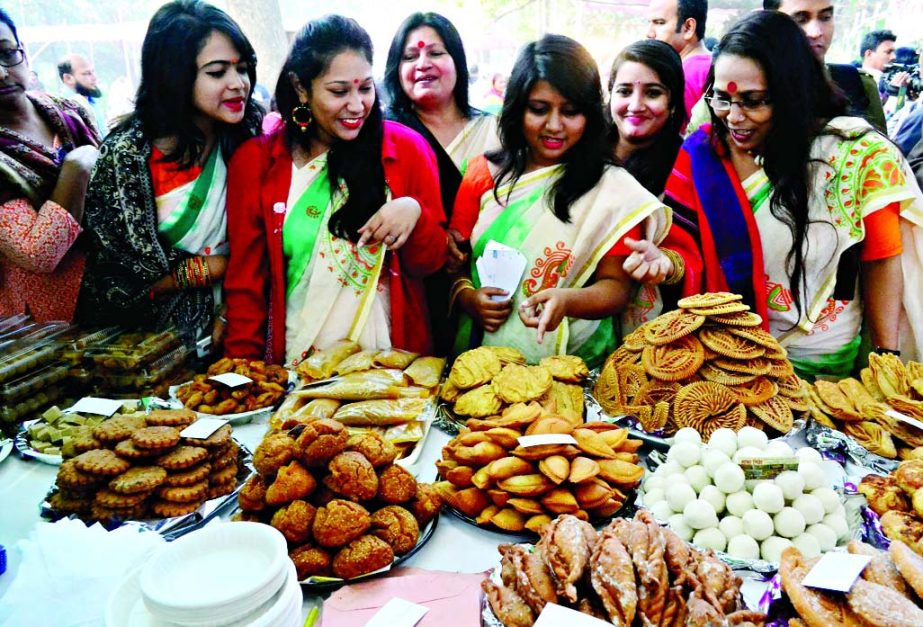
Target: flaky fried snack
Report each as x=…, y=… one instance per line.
x=479, y=402
x=567, y=368
x=320, y=441
x=377, y=450
x=475, y=367
x=295, y=520
x=396, y=526
x=293, y=481
x=883, y=494
x=310, y=561
x=361, y=556
x=340, y=522
x=396, y=485
x=352, y=476
x=273, y=452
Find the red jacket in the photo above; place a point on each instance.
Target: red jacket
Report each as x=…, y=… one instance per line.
x=259, y=178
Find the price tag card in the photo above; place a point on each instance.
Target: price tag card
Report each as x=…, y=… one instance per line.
x=904, y=418
x=91, y=405
x=836, y=571
x=767, y=467
x=526, y=441
x=398, y=613
x=555, y=615
x=202, y=428
x=231, y=379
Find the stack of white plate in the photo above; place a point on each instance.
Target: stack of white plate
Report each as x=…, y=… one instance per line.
x=224, y=574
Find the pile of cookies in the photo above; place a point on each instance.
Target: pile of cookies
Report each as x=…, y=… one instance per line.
x=138, y=466
x=859, y=408
x=490, y=477
x=898, y=499
x=485, y=380
x=342, y=503
x=633, y=572
x=706, y=365
x=206, y=396
x=887, y=593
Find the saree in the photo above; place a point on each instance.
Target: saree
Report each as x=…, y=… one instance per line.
x=559, y=254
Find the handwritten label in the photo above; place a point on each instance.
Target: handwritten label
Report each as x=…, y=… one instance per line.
x=91, y=405
x=554, y=615
x=904, y=418
x=542, y=439
x=203, y=428
x=231, y=379
x=836, y=571
x=398, y=613
x=767, y=467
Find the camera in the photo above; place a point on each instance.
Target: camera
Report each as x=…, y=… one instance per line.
x=914, y=85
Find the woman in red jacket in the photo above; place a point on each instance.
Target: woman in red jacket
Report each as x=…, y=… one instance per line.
x=334, y=218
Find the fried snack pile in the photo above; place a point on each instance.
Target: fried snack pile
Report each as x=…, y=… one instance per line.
x=491, y=478
x=211, y=397
x=898, y=499
x=886, y=595
x=485, y=380
x=706, y=365
x=342, y=503
x=858, y=407
x=134, y=467
x=632, y=572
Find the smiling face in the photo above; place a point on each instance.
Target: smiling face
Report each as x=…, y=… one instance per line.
x=815, y=17
x=341, y=98
x=427, y=70
x=222, y=85
x=639, y=103
x=552, y=125
x=13, y=80
x=747, y=127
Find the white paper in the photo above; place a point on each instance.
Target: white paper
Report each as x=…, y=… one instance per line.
x=501, y=266
x=398, y=613
x=202, y=428
x=904, y=418
x=231, y=379
x=554, y=615
x=836, y=571
x=91, y=405
x=525, y=441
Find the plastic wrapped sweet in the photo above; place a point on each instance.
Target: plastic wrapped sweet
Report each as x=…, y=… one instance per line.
x=322, y=363
x=378, y=413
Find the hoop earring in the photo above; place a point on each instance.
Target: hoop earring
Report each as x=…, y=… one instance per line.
x=302, y=116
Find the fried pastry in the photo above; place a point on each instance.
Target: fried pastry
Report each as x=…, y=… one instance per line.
x=310, y=561
x=252, y=497
x=396, y=485
x=567, y=368
x=671, y=326
x=532, y=580
x=713, y=373
x=101, y=462
x=882, y=607
x=816, y=608
x=363, y=555
x=427, y=503
x=872, y=436
x=730, y=345
x=507, y=355
x=881, y=569
x=293, y=481
x=890, y=374
x=776, y=413
x=295, y=520
x=902, y=526
x=612, y=576
x=707, y=406
x=883, y=494
x=376, y=449
x=675, y=361
x=479, y=402
x=352, y=476
x=909, y=564
x=567, y=542
x=396, y=526
x=708, y=299
x=507, y=605
x=757, y=391
x=339, y=522
x=909, y=475
x=320, y=441
x=564, y=400
x=474, y=368
x=521, y=384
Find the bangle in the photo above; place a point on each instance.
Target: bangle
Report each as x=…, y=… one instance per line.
x=181, y=276
x=679, y=267
x=460, y=285
x=880, y=350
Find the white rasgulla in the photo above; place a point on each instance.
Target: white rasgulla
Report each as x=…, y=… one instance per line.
x=768, y=497
x=680, y=528
x=826, y=537
x=789, y=523
x=757, y=524
x=661, y=510
x=687, y=434
x=714, y=496
x=724, y=440
x=700, y=515
x=710, y=538
x=731, y=526
x=743, y=548
x=668, y=469
x=678, y=495
x=813, y=475
x=839, y=510
x=808, y=454
x=751, y=436
x=791, y=483
x=712, y=460
x=838, y=524
x=654, y=496
x=779, y=449
x=771, y=548
x=698, y=477
x=739, y=503
x=685, y=454
x=808, y=545
x=729, y=478
x=810, y=507
x=829, y=498
x=654, y=482
x=748, y=452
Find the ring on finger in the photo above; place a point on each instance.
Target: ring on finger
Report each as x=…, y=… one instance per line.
x=390, y=239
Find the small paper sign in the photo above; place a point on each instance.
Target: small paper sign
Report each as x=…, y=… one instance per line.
x=554, y=615
x=767, y=467
x=526, y=441
x=904, y=418
x=836, y=571
x=202, y=428
x=91, y=405
x=398, y=613
x=231, y=379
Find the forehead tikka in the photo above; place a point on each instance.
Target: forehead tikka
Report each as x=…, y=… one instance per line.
x=732, y=88
x=421, y=44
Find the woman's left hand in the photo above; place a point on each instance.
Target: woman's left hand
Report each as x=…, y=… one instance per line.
x=545, y=310
x=647, y=263
x=392, y=224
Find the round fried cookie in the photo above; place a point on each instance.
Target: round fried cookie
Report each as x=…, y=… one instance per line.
x=775, y=412
x=69, y=476
x=128, y=450
x=741, y=319
x=671, y=326
x=224, y=475
x=101, y=462
x=714, y=374
x=675, y=361
x=189, y=476
x=117, y=429
x=708, y=299
x=760, y=390
x=219, y=438
x=115, y=500
x=719, y=310
x=521, y=384
x=725, y=343
x=182, y=457
x=756, y=335
x=184, y=494
x=170, y=509
x=701, y=402
x=758, y=366
x=105, y=514
x=70, y=504
x=156, y=438
x=214, y=491
x=171, y=418
x=138, y=479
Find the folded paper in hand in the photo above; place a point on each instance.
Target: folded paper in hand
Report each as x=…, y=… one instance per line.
x=501, y=266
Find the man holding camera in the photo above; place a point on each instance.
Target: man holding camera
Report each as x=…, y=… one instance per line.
x=877, y=52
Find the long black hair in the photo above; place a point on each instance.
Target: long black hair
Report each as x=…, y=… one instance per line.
x=569, y=68
x=164, y=103
x=398, y=101
x=651, y=165
x=356, y=163
x=803, y=100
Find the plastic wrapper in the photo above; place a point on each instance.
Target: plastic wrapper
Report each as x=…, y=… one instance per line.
x=322, y=363
x=837, y=445
x=406, y=433
x=426, y=371
x=394, y=358
x=381, y=412
x=357, y=362
x=147, y=377
x=353, y=390
x=303, y=408
x=23, y=357
x=74, y=345
x=132, y=349
x=16, y=389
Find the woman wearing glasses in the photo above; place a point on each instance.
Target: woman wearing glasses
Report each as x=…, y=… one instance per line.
x=799, y=208
x=47, y=150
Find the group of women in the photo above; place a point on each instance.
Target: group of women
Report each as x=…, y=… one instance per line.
x=354, y=220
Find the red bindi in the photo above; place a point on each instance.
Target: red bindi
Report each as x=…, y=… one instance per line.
x=732, y=88
x=355, y=81
x=420, y=44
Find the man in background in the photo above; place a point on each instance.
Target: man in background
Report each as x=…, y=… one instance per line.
x=681, y=24
x=79, y=76
x=877, y=51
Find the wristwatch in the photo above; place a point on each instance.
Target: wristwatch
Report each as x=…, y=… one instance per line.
x=886, y=351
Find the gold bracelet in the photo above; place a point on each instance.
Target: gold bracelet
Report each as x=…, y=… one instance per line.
x=459, y=286
x=679, y=267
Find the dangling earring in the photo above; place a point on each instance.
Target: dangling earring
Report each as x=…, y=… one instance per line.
x=301, y=115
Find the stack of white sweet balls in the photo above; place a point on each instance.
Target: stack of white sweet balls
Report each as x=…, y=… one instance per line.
x=702, y=494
